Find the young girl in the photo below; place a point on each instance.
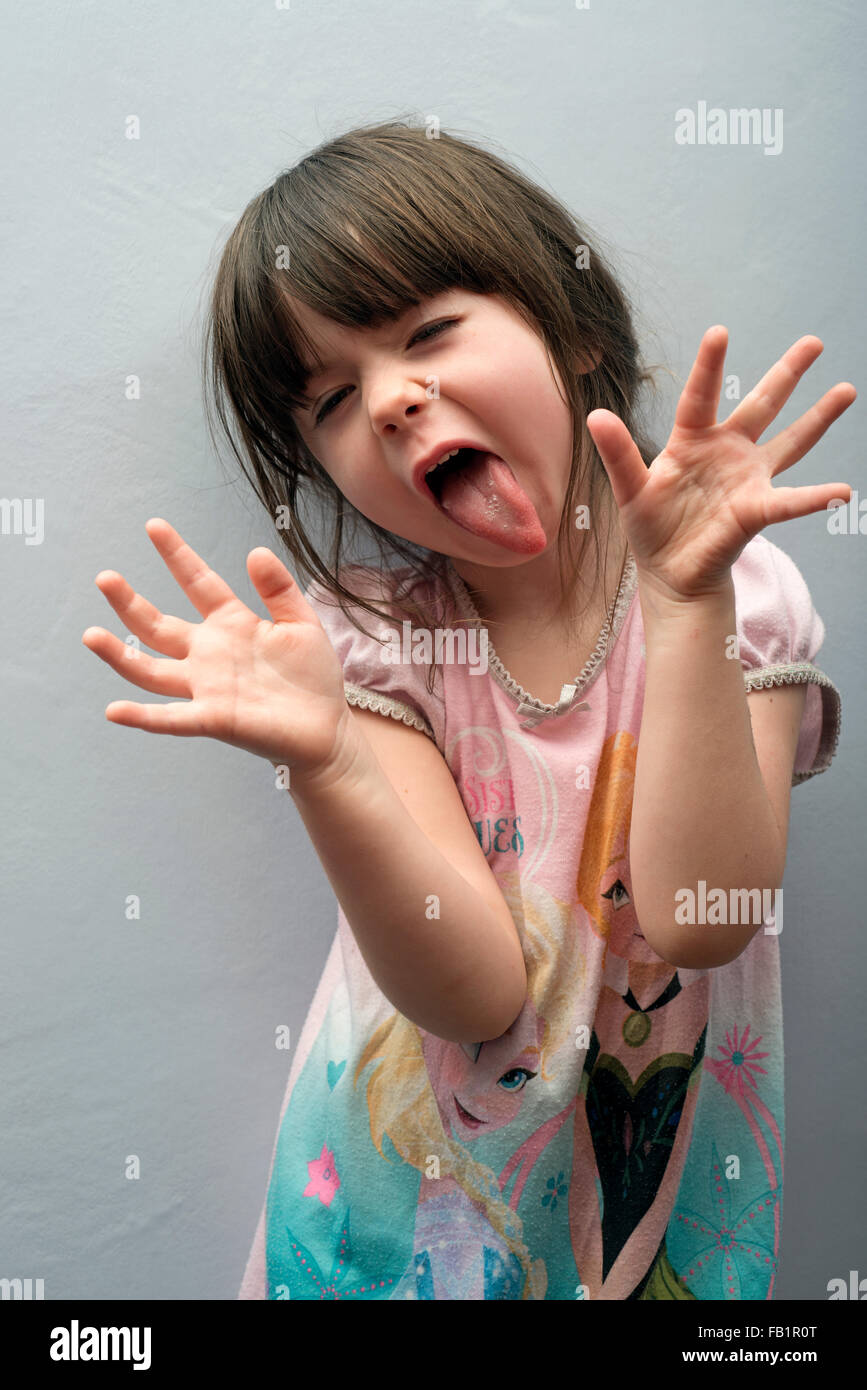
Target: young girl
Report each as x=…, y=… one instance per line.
x=545, y=760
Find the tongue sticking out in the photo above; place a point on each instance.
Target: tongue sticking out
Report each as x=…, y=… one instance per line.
x=485, y=497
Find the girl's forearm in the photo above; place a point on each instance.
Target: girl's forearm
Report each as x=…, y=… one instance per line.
x=454, y=973
x=700, y=809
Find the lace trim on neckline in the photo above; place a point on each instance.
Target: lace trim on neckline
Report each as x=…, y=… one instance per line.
x=594, y=663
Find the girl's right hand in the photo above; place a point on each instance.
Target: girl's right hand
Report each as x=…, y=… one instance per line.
x=272, y=688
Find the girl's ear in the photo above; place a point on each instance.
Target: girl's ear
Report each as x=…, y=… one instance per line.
x=589, y=360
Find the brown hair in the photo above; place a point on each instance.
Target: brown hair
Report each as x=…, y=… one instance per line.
x=366, y=226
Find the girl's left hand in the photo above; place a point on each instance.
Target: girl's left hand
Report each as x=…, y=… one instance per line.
x=688, y=517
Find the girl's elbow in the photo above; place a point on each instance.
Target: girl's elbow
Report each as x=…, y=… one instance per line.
x=706, y=948
x=504, y=1018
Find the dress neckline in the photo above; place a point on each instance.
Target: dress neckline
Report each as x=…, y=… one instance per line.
x=532, y=709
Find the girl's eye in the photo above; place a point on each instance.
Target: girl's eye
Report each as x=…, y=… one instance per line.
x=618, y=894
x=326, y=406
x=516, y=1079
x=430, y=330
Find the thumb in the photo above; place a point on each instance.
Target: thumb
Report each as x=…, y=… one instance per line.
x=617, y=449
x=277, y=588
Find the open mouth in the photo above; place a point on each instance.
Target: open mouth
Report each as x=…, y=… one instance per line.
x=478, y=491
x=436, y=479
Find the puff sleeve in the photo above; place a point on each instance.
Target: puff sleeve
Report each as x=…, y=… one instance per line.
x=779, y=634
x=395, y=689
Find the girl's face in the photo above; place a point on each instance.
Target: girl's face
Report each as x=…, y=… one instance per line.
x=625, y=937
x=459, y=365
x=476, y=1097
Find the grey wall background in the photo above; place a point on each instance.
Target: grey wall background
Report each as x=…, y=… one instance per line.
x=156, y=1037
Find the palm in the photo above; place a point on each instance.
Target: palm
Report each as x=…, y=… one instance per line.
x=272, y=688
x=247, y=701
x=704, y=497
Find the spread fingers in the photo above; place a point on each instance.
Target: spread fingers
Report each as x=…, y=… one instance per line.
x=157, y=630
x=159, y=675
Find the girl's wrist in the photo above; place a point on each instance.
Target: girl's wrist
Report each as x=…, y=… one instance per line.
x=351, y=759
x=661, y=603
x=673, y=626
